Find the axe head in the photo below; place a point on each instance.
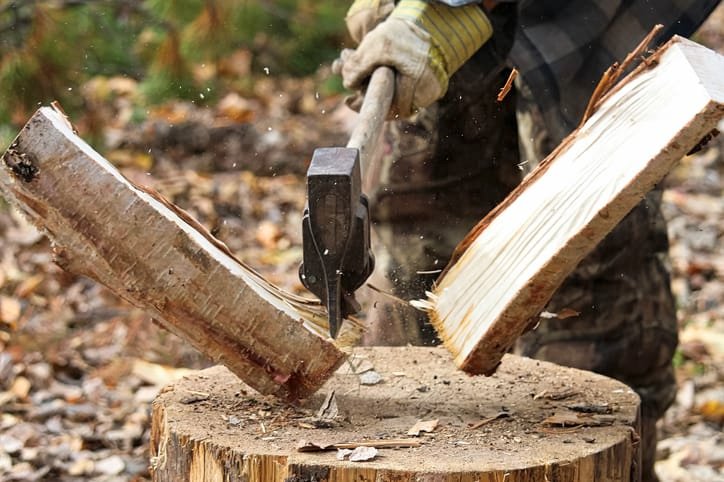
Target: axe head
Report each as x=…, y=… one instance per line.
x=337, y=258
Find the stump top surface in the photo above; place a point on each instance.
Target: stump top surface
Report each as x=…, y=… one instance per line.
x=416, y=384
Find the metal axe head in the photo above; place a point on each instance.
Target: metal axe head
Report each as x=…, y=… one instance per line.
x=337, y=258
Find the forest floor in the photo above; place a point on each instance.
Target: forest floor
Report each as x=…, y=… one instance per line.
x=79, y=367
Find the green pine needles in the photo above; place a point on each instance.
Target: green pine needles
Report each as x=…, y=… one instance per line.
x=174, y=48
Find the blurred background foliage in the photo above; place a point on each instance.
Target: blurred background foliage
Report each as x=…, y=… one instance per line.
x=171, y=49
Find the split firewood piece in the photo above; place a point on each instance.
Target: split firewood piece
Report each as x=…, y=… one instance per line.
x=157, y=257
x=511, y=263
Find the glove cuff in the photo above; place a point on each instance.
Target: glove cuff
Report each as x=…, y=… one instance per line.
x=456, y=33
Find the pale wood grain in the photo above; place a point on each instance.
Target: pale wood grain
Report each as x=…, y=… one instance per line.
x=510, y=265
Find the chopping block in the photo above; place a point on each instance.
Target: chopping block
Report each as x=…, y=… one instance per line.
x=531, y=421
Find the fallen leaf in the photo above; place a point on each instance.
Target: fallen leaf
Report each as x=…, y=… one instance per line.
x=155, y=374
x=21, y=388
x=268, y=234
x=6, y=397
x=6, y=463
x=236, y=108
x=128, y=158
x=25, y=235
x=81, y=467
x=112, y=465
x=711, y=337
x=713, y=411
x=10, y=310
x=695, y=350
x=171, y=112
x=422, y=426
x=235, y=65
x=10, y=445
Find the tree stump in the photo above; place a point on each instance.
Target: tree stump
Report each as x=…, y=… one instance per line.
x=531, y=421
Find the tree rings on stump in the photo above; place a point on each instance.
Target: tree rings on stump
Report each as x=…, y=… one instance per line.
x=531, y=421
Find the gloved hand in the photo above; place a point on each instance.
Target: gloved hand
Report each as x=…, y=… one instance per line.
x=425, y=42
x=364, y=15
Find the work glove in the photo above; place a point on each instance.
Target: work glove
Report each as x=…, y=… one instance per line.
x=425, y=42
x=364, y=15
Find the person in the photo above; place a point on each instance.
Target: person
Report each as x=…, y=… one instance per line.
x=453, y=152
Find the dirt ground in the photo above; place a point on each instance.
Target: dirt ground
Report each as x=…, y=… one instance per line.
x=79, y=367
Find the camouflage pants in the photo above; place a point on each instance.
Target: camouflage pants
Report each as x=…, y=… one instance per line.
x=445, y=169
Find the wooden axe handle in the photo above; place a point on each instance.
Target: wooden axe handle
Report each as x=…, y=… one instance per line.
x=372, y=115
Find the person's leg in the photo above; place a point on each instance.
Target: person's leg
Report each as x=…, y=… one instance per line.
x=443, y=171
x=626, y=328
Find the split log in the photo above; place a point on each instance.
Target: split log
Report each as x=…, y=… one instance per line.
x=157, y=257
x=511, y=263
x=526, y=423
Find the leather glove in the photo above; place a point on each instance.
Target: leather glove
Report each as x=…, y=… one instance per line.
x=425, y=42
x=364, y=15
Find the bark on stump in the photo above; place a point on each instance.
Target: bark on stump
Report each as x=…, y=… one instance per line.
x=531, y=421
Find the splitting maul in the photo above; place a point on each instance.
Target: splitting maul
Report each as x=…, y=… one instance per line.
x=337, y=257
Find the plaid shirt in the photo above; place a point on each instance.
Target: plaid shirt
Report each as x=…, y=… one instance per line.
x=562, y=47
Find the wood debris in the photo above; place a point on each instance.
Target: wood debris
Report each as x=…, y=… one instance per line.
x=308, y=446
x=359, y=454
x=561, y=315
x=555, y=394
x=370, y=377
x=508, y=85
x=598, y=408
x=485, y=421
x=573, y=419
x=423, y=426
